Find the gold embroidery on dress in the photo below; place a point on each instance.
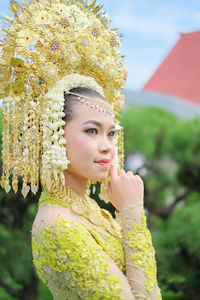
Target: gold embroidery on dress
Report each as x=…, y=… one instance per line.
x=83, y=206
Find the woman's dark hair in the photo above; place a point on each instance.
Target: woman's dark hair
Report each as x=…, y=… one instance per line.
x=70, y=100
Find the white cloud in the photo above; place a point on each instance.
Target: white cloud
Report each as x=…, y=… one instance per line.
x=145, y=25
x=162, y=20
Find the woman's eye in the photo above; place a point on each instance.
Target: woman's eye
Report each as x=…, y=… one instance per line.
x=95, y=131
x=111, y=133
x=91, y=130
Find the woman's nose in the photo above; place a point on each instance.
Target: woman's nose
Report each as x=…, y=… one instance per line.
x=105, y=144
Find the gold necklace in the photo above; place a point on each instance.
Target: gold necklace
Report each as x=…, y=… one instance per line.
x=83, y=206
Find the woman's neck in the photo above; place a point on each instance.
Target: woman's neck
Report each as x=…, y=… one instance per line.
x=75, y=182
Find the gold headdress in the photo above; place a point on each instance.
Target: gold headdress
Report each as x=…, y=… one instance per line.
x=48, y=47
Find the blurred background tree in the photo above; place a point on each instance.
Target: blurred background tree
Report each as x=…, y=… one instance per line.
x=165, y=152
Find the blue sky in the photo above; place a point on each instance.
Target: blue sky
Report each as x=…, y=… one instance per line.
x=150, y=28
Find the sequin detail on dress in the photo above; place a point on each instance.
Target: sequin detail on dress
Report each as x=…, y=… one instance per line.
x=69, y=248
x=140, y=241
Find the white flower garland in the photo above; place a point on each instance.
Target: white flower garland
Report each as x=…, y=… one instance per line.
x=72, y=81
x=54, y=154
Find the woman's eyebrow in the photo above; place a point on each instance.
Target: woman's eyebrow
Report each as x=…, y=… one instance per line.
x=97, y=123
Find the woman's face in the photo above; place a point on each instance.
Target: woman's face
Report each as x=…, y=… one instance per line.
x=90, y=138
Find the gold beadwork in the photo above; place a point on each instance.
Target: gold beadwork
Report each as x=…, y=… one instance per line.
x=75, y=257
x=113, y=41
x=84, y=206
x=96, y=32
x=65, y=22
x=141, y=242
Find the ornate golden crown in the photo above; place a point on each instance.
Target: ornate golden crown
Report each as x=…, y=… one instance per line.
x=43, y=43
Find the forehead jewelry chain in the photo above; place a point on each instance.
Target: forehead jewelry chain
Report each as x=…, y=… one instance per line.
x=100, y=105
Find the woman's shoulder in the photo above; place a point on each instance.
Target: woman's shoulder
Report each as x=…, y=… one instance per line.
x=48, y=216
x=74, y=209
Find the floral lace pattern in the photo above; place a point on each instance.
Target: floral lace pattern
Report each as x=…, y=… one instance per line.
x=140, y=241
x=69, y=246
x=140, y=254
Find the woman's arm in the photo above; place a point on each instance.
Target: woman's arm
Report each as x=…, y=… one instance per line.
x=126, y=193
x=141, y=269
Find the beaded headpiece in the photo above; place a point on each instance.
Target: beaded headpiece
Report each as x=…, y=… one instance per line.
x=48, y=48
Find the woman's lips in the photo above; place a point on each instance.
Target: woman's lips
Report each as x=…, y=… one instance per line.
x=103, y=162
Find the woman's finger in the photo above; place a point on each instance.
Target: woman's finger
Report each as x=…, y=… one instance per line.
x=113, y=170
x=121, y=172
x=130, y=173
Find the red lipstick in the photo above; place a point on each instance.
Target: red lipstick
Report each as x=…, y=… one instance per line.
x=103, y=162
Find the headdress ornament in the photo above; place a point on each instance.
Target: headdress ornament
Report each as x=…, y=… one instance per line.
x=48, y=48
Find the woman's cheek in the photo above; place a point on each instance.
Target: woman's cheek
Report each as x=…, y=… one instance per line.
x=84, y=145
x=88, y=149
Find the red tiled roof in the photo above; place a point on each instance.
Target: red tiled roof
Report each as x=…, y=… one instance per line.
x=179, y=73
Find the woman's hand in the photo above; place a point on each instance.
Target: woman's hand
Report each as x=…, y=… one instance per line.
x=124, y=188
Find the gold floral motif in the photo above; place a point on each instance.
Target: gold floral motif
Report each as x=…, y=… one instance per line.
x=143, y=253
x=64, y=22
x=17, y=63
x=96, y=32
x=55, y=44
x=69, y=249
x=113, y=41
x=26, y=38
x=85, y=207
x=41, y=18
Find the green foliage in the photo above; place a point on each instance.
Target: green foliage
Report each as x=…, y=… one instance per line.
x=15, y=245
x=0, y=132
x=184, y=145
x=44, y=292
x=5, y=296
x=146, y=128
x=184, y=141
x=178, y=245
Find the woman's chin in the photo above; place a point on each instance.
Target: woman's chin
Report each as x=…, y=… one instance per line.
x=99, y=178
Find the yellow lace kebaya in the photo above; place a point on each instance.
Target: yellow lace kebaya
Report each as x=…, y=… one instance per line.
x=78, y=259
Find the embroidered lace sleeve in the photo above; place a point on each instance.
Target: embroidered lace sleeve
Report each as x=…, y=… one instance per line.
x=141, y=269
x=72, y=263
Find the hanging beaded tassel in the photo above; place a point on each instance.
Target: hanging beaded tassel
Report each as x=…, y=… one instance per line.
x=17, y=123
x=7, y=150
x=119, y=160
x=88, y=187
x=91, y=187
x=103, y=190
x=120, y=147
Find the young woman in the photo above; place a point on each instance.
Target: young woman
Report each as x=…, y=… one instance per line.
x=61, y=80
x=74, y=254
